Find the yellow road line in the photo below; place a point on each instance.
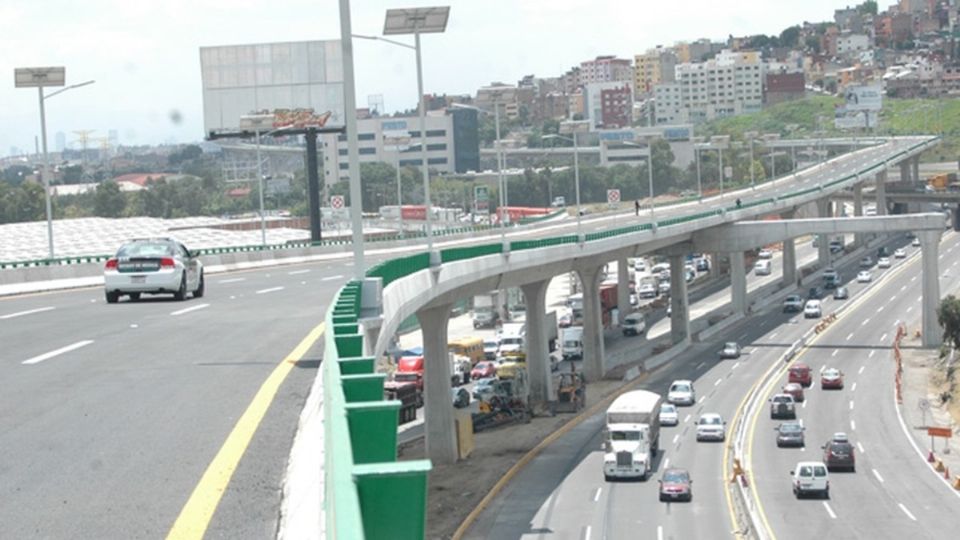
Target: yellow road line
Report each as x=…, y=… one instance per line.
x=783, y=369
x=196, y=514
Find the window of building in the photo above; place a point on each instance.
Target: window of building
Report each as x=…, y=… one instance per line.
x=437, y=161
x=436, y=133
x=344, y=166
x=342, y=151
x=366, y=137
x=368, y=151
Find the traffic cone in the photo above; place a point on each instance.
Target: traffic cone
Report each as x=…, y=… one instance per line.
x=956, y=482
x=930, y=458
x=946, y=473
x=939, y=466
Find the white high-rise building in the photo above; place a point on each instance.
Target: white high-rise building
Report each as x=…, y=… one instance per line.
x=728, y=85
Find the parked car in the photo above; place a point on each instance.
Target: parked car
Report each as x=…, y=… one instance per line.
x=639, y=265
x=682, y=393
x=483, y=389
x=883, y=262
x=783, y=406
x=483, y=370
x=900, y=253
x=675, y=485
x=711, y=427
x=731, y=349
x=647, y=290
x=461, y=398
x=790, y=434
x=664, y=287
x=490, y=348
x=795, y=391
x=864, y=276
x=153, y=266
x=810, y=478
x=792, y=304
x=703, y=264
x=841, y=293
x=669, y=416
x=800, y=373
x=811, y=310
x=838, y=453
x=831, y=378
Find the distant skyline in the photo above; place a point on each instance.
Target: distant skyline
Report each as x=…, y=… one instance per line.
x=145, y=55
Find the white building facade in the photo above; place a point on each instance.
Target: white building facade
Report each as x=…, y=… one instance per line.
x=728, y=85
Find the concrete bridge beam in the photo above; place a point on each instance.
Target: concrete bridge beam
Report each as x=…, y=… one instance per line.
x=441, y=437
x=623, y=288
x=738, y=283
x=679, y=302
x=824, y=210
x=538, y=359
x=930, y=247
x=593, y=352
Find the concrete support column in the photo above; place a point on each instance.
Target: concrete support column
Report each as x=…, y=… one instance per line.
x=623, y=289
x=538, y=360
x=858, y=239
x=905, y=171
x=438, y=410
x=915, y=162
x=679, y=316
x=789, y=263
x=738, y=283
x=823, y=242
x=593, y=364
x=930, y=247
x=881, y=191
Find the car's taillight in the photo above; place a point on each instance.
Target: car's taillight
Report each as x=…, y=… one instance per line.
x=167, y=262
x=111, y=264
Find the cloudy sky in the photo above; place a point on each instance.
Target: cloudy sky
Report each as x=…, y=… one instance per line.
x=144, y=55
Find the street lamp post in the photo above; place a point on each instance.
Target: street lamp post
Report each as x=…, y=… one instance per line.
x=399, y=143
x=576, y=174
x=649, y=172
x=696, y=156
x=39, y=78
x=720, y=166
x=418, y=21
x=258, y=122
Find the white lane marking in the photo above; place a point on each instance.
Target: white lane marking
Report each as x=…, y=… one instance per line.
x=829, y=510
x=880, y=309
x=735, y=366
x=348, y=264
x=233, y=297
x=676, y=438
x=853, y=426
x=666, y=463
x=94, y=301
x=742, y=336
x=271, y=289
x=914, y=278
x=851, y=404
x=896, y=322
x=586, y=533
x=860, y=446
x=877, y=474
x=134, y=325
x=909, y=309
x=231, y=280
x=883, y=337
x=773, y=335
x=850, y=336
x=659, y=532
x=61, y=350
x=701, y=399
x=28, y=312
x=907, y=512
x=700, y=365
x=893, y=298
x=854, y=388
x=328, y=278
x=865, y=321
x=298, y=272
x=823, y=367
x=189, y=309
x=871, y=354
x=720, y=380
x=835, y=351
x=804, y=406
x=303, y=282
x=903, y=288
x=861, y=370
x=685, y=420
x=596, y=496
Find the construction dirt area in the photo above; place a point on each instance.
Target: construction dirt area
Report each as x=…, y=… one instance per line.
x=455, y=490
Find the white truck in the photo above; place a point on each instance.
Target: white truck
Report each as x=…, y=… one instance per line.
x=632, y=435
x=485, y=313
x=572, y=342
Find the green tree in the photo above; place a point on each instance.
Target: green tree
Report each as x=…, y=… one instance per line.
x=948, y=315
x=868, y=8
x=790, y=37
x=109, y=201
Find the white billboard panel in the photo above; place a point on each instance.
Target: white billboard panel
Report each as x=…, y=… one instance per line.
x=864, y=98
x=39, y=76
x=301, y=83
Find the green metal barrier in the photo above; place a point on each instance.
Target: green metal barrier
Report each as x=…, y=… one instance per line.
x=459, y=254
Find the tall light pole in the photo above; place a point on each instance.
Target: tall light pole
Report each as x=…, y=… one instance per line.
x=649, y=148
x=40, y=77
x=751, y=135
x=416, y=21
x=576, y=174
x=259, y=122
x=399, y=142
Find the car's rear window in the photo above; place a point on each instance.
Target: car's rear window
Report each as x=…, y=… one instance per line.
x=146, y=249
x=675, y=476
x=819, y=471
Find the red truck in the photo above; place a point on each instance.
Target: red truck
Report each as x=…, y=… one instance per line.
x=410, y=369
x=608, y=302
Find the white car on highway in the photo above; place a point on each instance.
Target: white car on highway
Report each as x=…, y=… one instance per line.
x=153, y=266
x=900, y=253
x=682, y=393
x=883, y=262
x=669, y=415
x=647, y=290
x=711, y=427
x=765, y=254
x=811, y=310
x=864, y=276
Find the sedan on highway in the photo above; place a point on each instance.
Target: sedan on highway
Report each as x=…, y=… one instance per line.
x=483, y=370
x=831, y=378
x=841, y=293
x=783, y=406
x=838, y=453
x=811, y=310
x=864, y=276
x=731, y=349
x=711, y=427
x=483, y=389
x=916, y=242
x=153, y=266
x=866, y=262
x=792, y=304
x=675, y=485
x=795, y=391
x=790, y=434
x=883, y=262
x=900, y=253
x=765, y=254
x=647, y=290
x=800, y=373
x=682, y=393
x=669, y=416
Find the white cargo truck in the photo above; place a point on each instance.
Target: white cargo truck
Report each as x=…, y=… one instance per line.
x=632, y=435
x=572, y=342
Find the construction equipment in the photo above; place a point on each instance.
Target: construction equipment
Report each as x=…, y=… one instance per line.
x=571, y=392
x=507, y=405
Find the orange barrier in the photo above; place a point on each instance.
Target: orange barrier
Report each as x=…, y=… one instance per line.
x=898, y=375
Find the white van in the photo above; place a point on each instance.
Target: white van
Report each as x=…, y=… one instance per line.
x=811, y=477
x=762, y=268
x=572, y=342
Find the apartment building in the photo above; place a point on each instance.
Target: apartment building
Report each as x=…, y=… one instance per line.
x=728, y=85
x=652, y=68
x=604, y=69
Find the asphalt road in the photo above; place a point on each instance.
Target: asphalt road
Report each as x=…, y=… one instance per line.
x=892, y=494
x=109, y=415
x=562, y=493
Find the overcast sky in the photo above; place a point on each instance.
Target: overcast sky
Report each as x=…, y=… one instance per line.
x=145, y=58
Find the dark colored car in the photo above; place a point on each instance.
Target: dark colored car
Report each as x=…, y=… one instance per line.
x=800, y=373
x=838, y=454
x=815, y=293
x=790, y=434
x=675, y=485
x=841, y=293
x=460, y=397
